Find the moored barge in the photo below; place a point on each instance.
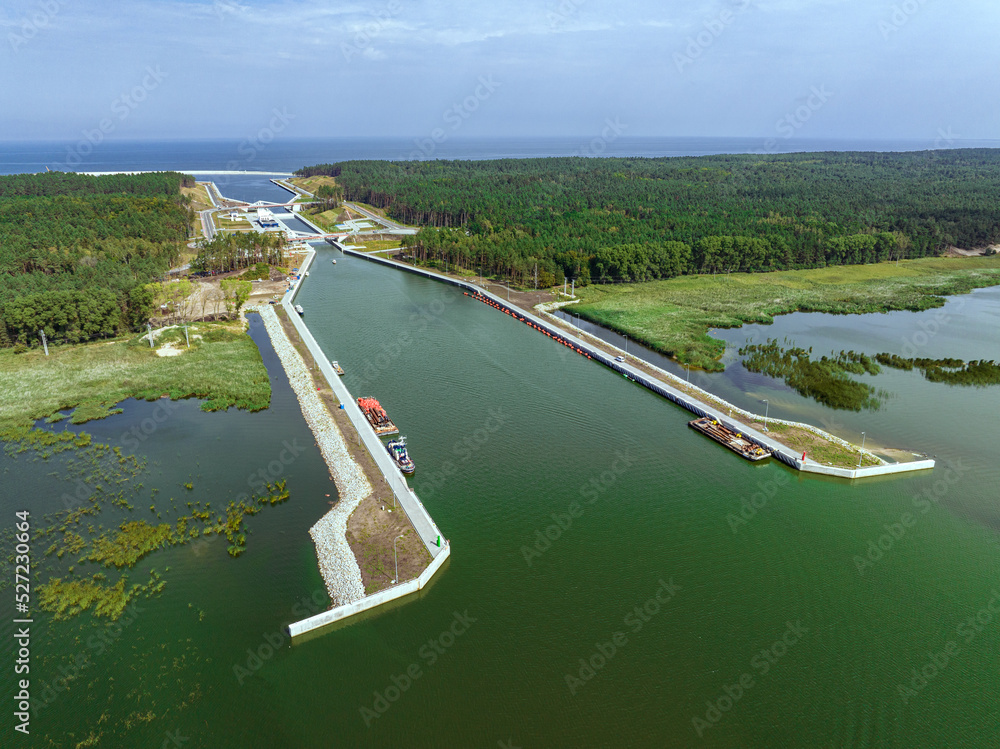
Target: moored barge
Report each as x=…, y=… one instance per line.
x=377, y=417
x=735, y=441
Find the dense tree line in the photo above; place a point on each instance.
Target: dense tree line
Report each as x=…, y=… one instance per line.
x=76, y=251
x=229, y=252
x=633, y=218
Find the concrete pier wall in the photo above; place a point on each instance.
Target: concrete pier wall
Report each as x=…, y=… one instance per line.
x=438, y=547
x=780, y=451
x=370, y=602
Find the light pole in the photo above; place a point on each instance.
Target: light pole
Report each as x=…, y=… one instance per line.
x=395, y=558
x=626, y=346
x=766, y=405
x=861, y=454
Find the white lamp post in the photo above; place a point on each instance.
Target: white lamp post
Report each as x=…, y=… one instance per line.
x=861, y=454
x=766, y=405
x=396, y=558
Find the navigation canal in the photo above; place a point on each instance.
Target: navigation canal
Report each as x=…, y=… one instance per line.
x=594, y=536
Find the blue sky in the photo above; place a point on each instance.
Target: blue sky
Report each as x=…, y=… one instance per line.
x=921, y=69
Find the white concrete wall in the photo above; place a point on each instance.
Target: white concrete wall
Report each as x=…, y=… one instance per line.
x=425, y=526
x=375, y=599
x=780, y=451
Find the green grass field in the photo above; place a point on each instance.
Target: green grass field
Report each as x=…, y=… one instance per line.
x=674, y=316
x=223, y=366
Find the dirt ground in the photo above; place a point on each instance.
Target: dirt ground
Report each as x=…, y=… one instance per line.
x=374, y=525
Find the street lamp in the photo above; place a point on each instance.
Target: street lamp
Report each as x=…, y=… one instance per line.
x=394, y=557
x=861, y=454
x=626, y=345
x=766, y=405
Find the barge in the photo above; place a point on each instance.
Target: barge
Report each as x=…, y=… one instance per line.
x=377, y=417
x=397, y=451
x=735, y=441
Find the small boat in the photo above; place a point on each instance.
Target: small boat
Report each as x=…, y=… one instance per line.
x=307, y=274
x=298, y=308
x=335, y=261
x=337, y=368
x=397, y=451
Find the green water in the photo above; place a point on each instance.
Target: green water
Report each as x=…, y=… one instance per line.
x=506, y=429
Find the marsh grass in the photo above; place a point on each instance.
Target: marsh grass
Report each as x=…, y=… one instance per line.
x=223, y=367
x=951, y=371
x=825, y=380
x=674, y=316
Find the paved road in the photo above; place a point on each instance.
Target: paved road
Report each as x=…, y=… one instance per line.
x=207, y=225
x=388, y=224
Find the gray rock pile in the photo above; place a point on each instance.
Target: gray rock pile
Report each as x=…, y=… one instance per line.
x=337, y=563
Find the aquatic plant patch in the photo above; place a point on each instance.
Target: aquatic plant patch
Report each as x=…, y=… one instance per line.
x=951, y=371
x=825, y=380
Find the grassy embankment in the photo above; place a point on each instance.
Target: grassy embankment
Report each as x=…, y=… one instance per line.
x=674, y=316
x=222, y=366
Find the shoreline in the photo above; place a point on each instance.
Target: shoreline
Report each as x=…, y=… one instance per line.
x=338, y=560
x=671, y=387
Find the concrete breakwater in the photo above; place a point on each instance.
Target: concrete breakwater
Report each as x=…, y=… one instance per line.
x=337, y=563
x=332, y=534
x=661, y=387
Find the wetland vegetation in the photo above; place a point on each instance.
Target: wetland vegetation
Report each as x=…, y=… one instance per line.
x=825, y=380
x=674, y=316
x=223, y=366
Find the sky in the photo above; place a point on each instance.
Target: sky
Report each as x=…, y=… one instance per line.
x=915, y=69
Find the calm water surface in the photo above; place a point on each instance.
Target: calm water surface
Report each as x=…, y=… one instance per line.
x=510, y=434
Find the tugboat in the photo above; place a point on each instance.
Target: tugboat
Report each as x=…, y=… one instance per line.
x=397, y=451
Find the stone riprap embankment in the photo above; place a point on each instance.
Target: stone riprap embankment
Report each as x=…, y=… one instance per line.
x=337, y=562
